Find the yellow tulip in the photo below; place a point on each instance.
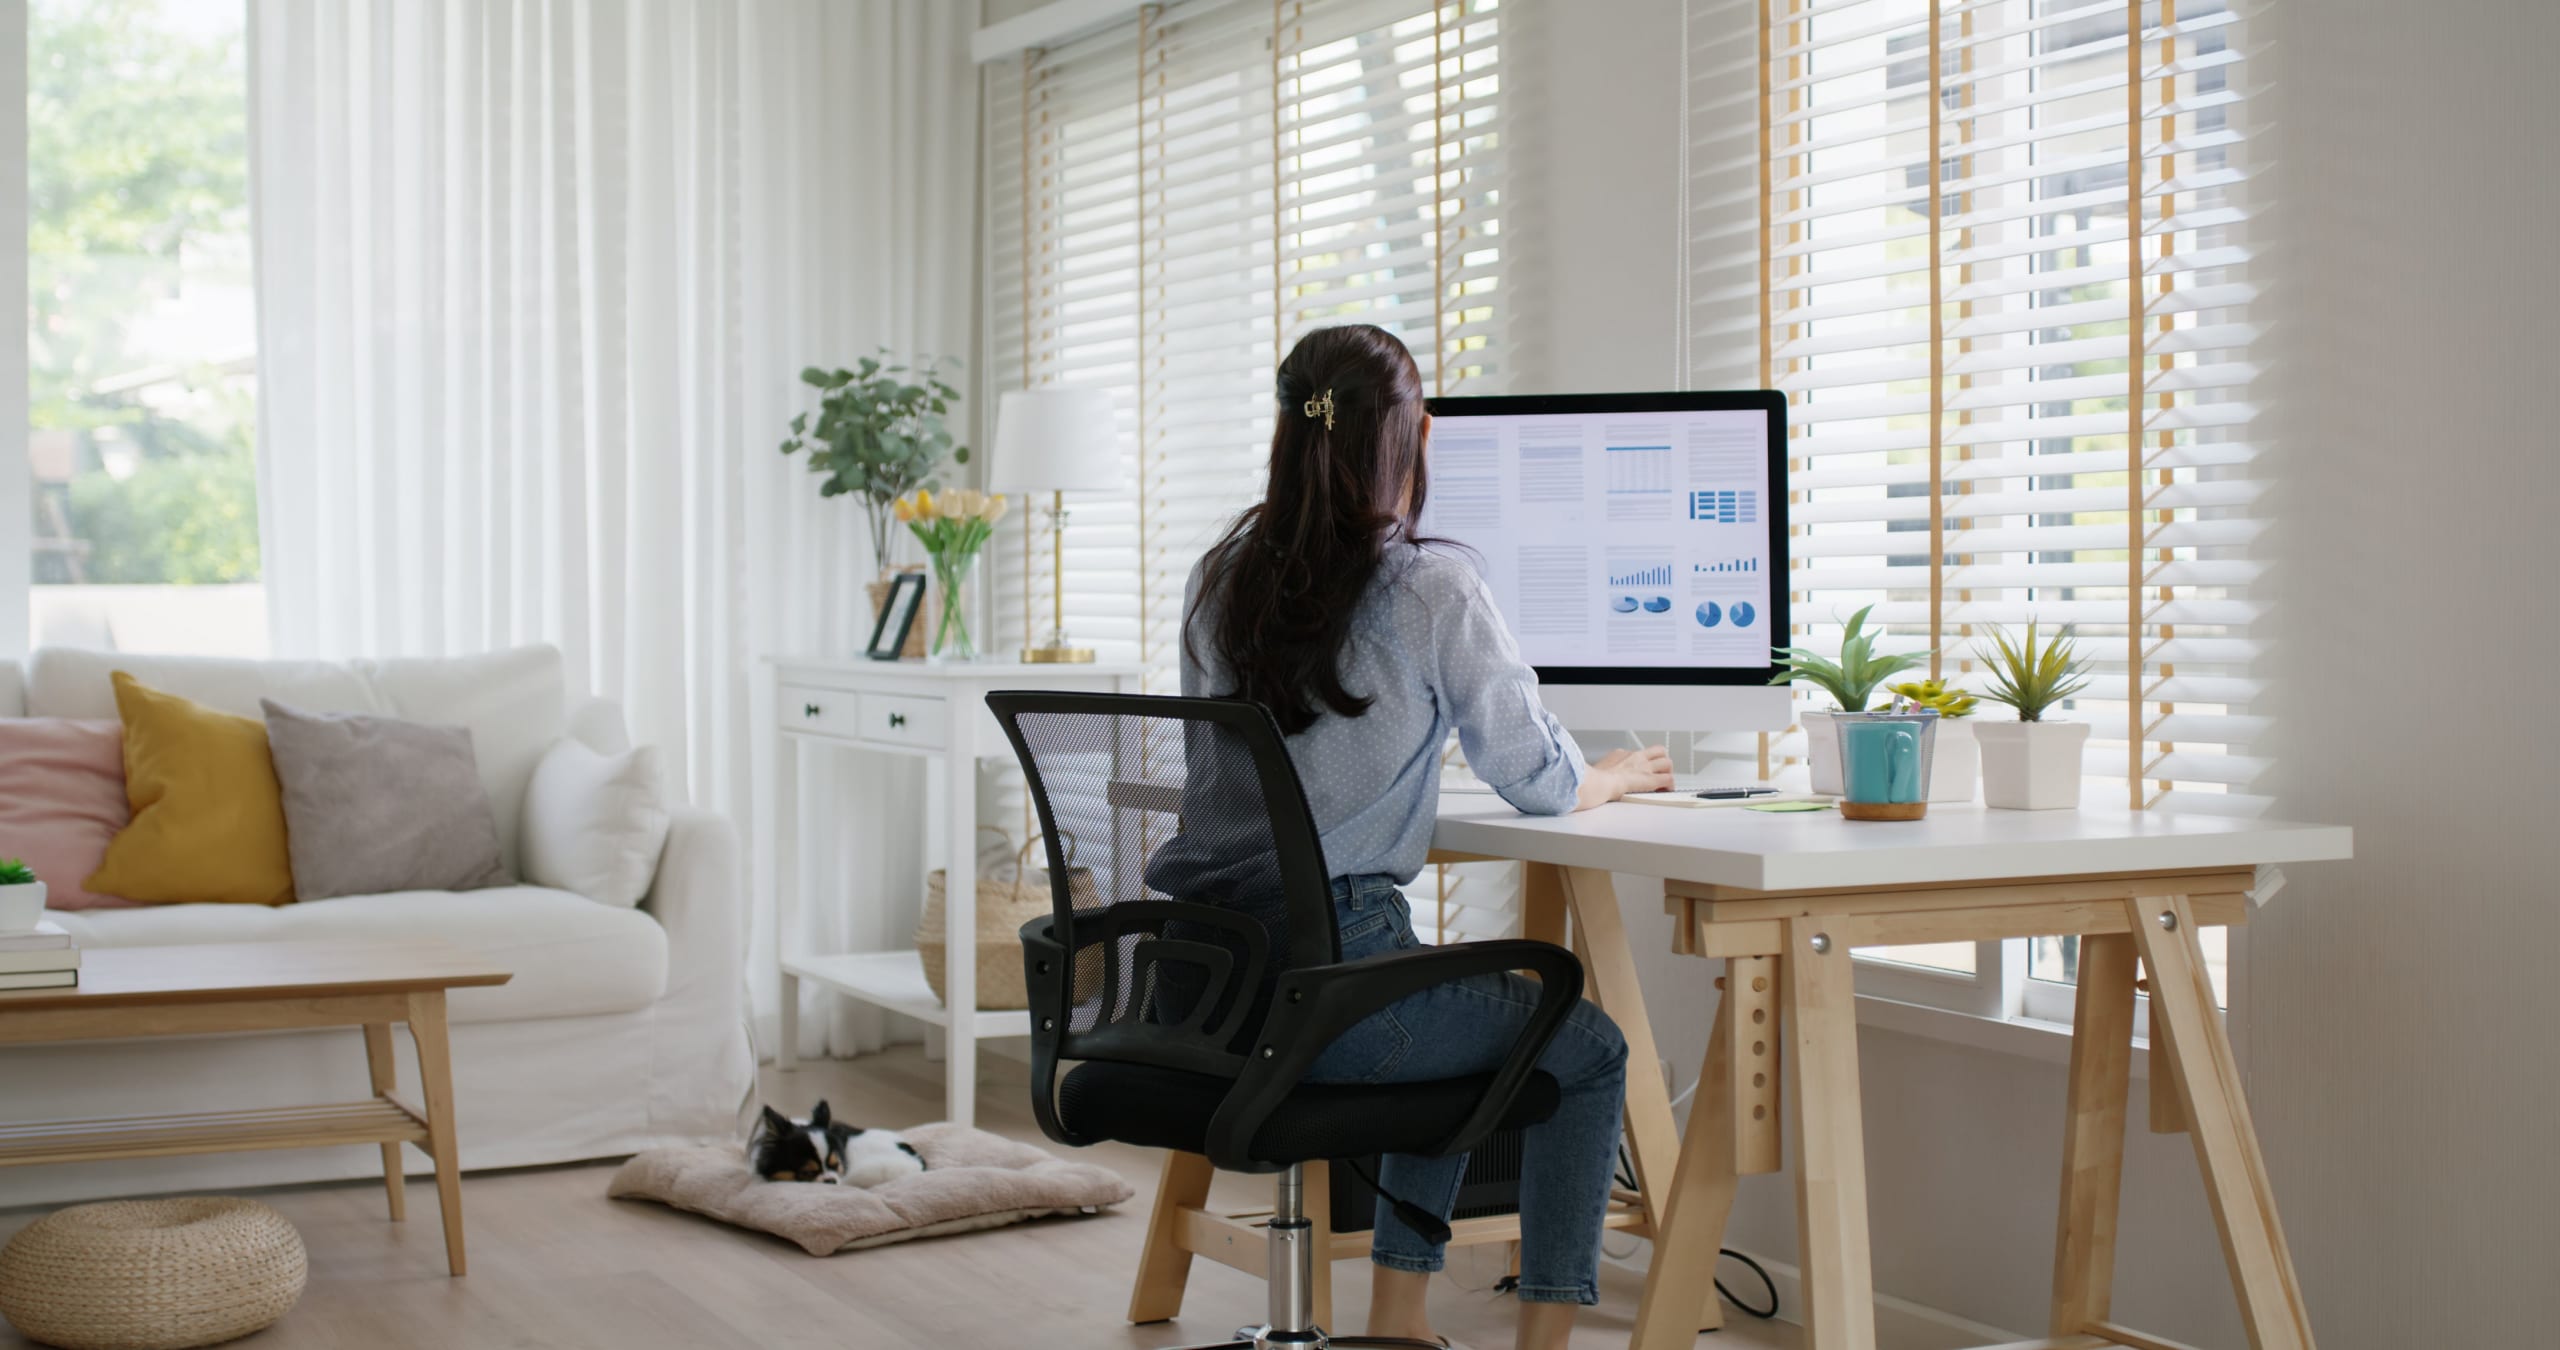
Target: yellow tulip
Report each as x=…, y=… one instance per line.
x=903, y=509
x=924, y=504
x=996, y=507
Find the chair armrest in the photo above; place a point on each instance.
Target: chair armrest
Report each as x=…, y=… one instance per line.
x=1197, y=1043
x=1314, y=1005
x=1049, y=977
x=699, y=898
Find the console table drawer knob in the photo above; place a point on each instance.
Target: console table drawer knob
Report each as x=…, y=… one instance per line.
x=809, y=710
x=897, y=719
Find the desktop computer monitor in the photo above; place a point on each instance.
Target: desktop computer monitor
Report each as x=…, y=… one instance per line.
x=1636, y=544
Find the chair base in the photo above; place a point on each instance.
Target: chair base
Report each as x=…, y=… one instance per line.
x=1292, y=1282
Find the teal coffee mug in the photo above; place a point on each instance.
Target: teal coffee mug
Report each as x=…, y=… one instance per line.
x=1884, y=766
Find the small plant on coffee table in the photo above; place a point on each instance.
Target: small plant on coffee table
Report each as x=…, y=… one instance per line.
x=16, y=873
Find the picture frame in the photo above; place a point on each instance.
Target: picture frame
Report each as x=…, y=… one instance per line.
x=897, y=617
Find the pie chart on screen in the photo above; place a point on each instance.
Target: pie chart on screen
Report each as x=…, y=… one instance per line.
x=1742, y=614
x=1710, y=614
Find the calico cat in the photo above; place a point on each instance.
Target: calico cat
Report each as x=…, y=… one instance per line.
x=828, y=1152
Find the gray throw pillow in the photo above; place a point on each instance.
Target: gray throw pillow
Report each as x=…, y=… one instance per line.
x=375, y=804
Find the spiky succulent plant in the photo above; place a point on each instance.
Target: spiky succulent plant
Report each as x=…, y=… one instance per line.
x=1852, y=679
x=2033, y=678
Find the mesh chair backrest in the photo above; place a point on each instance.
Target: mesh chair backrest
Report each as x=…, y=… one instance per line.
x=1185, y=870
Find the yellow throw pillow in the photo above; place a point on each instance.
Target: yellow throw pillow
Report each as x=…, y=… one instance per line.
x=208, y=817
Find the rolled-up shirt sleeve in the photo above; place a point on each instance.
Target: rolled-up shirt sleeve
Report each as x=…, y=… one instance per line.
x=1511, y=741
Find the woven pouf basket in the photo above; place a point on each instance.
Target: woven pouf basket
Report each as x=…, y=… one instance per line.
x=151, y=1274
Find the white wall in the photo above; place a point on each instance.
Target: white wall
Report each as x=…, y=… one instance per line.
x=2397, y=1016
x=2404, y=1009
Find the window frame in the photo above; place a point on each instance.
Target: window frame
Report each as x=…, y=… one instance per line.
x=215, y=618
x=1991, y=989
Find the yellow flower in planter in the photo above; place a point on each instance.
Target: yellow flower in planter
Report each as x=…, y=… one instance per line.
x=904, y=510
x=924, y=504
x=1936, y=695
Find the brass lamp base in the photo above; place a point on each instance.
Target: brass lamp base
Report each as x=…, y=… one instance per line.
x=1057, y=656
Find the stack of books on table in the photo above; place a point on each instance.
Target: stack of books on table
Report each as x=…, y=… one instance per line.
x=40, y=958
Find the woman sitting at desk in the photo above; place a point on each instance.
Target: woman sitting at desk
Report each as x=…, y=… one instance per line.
x=1369, y=645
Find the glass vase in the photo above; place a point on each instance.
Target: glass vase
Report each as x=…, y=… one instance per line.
x=951, y=641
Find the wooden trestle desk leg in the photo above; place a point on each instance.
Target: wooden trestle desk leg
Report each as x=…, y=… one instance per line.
x=1830, y=1144
x=1680, y=1292
x=1164, y=1265
x=2084, y=1245
x=1609, y=965
x=2226, y=1141
x=435, y=1074
x=386, y=1079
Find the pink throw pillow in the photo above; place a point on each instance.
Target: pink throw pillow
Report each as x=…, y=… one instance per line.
x=61, y=801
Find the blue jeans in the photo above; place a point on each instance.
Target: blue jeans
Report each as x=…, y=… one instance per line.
x=1468, y=1027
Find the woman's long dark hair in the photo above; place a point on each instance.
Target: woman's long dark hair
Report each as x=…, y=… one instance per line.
x=1346, y=478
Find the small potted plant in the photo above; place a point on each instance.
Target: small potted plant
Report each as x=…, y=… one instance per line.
x=2032, y=764
x=1851, y=682
x=1955, y=759
x=877, y=435
x=21, y=897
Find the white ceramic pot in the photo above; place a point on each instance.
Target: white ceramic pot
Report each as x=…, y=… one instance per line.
x=20, y=906
x=1955, y=761
x=2031, y=766
x=1822, y=752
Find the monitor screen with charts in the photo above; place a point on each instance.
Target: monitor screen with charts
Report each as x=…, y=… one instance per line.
x=1629, y=539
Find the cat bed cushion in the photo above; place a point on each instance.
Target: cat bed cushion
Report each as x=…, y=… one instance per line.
x=972, y=1180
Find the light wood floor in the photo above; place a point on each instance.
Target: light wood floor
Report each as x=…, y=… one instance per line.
x=556, y=1265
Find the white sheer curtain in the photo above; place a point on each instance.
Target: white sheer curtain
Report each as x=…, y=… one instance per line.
x=536, y=278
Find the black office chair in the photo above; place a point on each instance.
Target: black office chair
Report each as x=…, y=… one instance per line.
x=1191, y=969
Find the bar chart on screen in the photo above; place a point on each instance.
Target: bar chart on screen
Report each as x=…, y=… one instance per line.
x=1639, y=574
x=1725, y=567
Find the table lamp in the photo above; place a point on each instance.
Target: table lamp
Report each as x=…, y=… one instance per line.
x=1056, y=439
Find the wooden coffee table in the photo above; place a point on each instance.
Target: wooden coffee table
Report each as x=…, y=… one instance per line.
x=262, y=986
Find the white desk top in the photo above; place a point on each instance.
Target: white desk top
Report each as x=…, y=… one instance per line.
x=1821, y=850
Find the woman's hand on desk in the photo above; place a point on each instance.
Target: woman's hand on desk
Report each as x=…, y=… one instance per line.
x=1620, y=772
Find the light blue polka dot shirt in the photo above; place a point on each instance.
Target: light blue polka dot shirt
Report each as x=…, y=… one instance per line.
x=1429, y=648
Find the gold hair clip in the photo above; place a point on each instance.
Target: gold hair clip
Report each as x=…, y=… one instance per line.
x=1322, y=407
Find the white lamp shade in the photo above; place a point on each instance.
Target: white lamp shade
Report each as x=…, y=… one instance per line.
x=1057, y=438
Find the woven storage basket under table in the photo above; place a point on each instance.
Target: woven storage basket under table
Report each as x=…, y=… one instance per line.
x=1005, y=904
x=151, y=1274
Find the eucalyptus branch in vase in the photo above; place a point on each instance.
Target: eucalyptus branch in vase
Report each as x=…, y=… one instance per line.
x=878, y=434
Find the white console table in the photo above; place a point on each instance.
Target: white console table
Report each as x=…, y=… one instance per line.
x=935, y=713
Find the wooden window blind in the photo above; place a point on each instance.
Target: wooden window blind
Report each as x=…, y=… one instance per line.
x=2003, y=280
x=1172, y=202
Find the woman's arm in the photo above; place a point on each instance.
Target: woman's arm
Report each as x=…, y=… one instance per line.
x=1512, y=742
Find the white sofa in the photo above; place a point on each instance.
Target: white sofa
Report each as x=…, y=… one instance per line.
x=623, y=1029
